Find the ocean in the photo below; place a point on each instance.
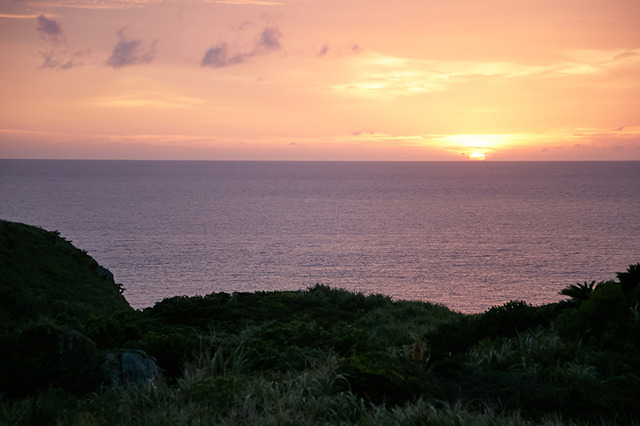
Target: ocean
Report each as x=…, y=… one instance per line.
x=469, y=235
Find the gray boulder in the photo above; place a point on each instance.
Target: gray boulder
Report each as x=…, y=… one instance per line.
x=129, y=367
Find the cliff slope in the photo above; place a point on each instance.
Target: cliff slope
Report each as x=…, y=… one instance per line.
x=44, y=275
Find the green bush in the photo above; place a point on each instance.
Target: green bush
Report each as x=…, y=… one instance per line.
x=601, y=320
x=630, y=281
x=384, y=378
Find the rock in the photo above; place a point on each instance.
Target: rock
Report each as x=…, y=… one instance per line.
x=46, y=354
x=129, y=367
x=105, y=274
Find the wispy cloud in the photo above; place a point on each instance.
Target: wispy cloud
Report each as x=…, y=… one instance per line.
x=323, y=50
x=129, y=52
x=128, y=4
x=571, y=144
x=385, y=76
x=269, y=40
x=629, y=53
x=62, y=59
x=50, y=30
x=382, y=76
x=59, y=56
x=91, y=4
x=144, y=99
x=18, y=15
x=511, y=145
x=222, y=55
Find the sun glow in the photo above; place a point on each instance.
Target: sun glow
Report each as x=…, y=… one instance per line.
x=477, y=156
x=475, y=147
x=476, y=141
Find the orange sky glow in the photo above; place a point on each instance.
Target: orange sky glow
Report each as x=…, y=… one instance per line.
x=425, y=80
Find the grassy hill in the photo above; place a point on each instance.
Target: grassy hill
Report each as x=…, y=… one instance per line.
x=44, y=275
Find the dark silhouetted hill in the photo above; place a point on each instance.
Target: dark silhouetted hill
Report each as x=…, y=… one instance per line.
x=44, y=275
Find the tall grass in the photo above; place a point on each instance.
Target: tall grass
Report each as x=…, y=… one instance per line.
x=217, y=388
x=314, y=397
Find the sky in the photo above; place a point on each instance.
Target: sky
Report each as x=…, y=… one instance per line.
x=422, y=80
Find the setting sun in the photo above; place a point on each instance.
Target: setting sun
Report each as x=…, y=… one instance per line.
x=478, y=156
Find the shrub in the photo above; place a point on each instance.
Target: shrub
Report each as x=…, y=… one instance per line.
x=602, y=319
x=169, y=348
x=43, y=354
x=510, y=319
x=383, y=378
x=630, y=279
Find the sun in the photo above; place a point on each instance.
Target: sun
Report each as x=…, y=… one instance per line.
x=479, y=146
x=477, y=156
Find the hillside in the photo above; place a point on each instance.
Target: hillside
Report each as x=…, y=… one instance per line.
x=44, y=275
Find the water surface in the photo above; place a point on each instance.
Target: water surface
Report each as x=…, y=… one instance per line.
x=466, y=234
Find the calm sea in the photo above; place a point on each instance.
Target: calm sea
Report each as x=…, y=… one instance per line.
x=469, y=235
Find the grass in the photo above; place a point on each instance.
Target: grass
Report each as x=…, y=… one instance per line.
x=310, y=357
x=315, y=396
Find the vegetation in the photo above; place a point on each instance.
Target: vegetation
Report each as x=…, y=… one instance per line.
x=44, y=275
x=315, y=356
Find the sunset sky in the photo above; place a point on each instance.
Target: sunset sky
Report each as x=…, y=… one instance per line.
x=320, y=79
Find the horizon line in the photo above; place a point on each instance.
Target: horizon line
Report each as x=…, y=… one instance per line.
x=316, y=161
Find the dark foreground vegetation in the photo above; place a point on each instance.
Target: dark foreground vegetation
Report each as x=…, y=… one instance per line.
x=317, y=356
